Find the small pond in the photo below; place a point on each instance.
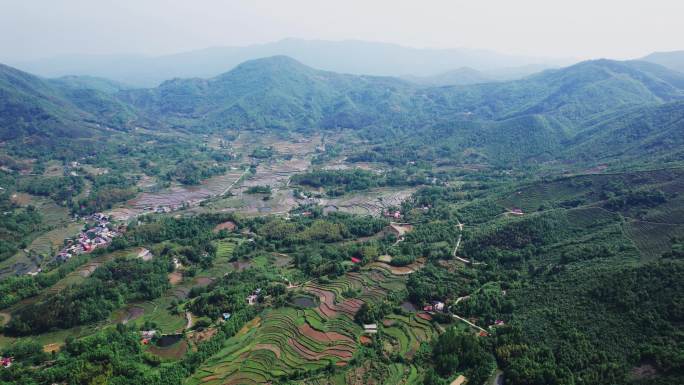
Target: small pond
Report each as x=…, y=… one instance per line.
x=408, y=306
x=168, y=340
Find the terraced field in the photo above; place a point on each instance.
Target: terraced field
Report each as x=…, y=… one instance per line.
x=670, y=212
x=371, y=202
x=175, y=196
x=589, y=187
x=407, y=333
x=653, y=239
x=41, y=249
x=590, y=216
x=156, y=311
x=287, y=341
x=224, y=248
x=531, y=198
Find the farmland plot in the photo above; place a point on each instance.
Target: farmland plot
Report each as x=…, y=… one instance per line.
x=288, y=341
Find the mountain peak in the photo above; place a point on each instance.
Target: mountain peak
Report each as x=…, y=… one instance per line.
x=277, y=62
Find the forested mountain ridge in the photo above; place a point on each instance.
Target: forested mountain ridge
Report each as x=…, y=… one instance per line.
x=551, y=111
x=308, y=98
x=573, y=94
x=278, y=93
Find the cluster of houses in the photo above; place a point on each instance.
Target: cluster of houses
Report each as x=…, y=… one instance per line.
x=252, y=298
x=96, y=236
x=497, y=323
x=6, y=362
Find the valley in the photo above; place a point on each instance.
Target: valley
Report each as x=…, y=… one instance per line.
x=279, y=224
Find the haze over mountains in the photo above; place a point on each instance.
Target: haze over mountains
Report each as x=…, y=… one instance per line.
x=349, y=56
x=591, y=110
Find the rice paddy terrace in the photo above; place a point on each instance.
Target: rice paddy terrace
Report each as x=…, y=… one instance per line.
x=650, y=226
x=287, y=343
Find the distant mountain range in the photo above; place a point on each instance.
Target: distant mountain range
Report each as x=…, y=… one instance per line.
x=594, y=110
x=466, y=75
x=673, y=60
x=354, y=57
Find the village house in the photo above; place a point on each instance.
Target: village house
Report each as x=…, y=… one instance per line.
x=176, y=264
x=497, y=323
x=6, y=362
x=392, y=214
x=434, y=306
x=516, y=211
x=252, y=298
x=148, y=333
x=370, y=328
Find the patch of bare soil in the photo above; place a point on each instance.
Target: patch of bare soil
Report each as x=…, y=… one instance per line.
x=424, y=316
x=365, y=340
x=49, y=348
x=175, y=278
x=203, y=281
x=5, y=318
x=201, y=336
x=228, y=226
x=461, y=379
x=241, y=265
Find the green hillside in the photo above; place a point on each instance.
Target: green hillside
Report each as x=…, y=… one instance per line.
x=31, y=107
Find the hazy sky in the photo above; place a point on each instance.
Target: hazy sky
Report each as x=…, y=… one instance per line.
x=553, y=28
